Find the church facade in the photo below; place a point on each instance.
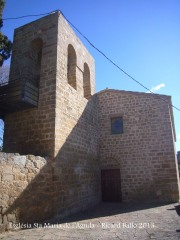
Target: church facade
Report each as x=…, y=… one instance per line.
x=112, y=145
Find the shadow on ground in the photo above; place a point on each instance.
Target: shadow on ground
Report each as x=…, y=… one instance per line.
x=177, y=208
x=106, y=209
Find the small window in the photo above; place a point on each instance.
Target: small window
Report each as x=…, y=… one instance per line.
x=71, y=66
x=86, y=82
x=117, y=125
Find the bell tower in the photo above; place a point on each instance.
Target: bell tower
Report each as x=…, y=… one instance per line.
x=50, y=70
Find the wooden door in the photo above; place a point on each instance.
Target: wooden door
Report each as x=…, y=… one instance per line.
x=111, y=185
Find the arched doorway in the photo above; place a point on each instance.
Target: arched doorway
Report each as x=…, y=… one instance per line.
x=111, y=185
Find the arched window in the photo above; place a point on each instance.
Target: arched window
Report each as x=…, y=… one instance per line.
x=71, y=66
x=36, y=55
x=86, y=82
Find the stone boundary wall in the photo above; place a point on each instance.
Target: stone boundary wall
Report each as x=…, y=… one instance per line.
x=25, y=189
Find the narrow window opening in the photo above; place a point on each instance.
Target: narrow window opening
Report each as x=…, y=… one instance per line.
x=71, y=66
x=86, y=82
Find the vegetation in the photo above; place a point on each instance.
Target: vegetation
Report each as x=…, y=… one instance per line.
x=1, y=134
x=5, y=43
x=5, y=53
x=4, y=74
x=4, y=77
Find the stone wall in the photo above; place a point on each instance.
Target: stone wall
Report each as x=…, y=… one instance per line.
x=25, y=189
x=76, y=130
x=144, y=152
x=31, y=131
x=76, y=169
x=65, y=124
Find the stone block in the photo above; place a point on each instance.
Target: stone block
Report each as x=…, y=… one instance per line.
x=20, y=160
x=4, y=209
x=2, y=228
x=20, y=176
x=16, y=169
x=31, y=157
x=38, y=164
x=5, y=220
x=7, y=177
x=3, y=203
x=7, y=169
x=11, y=218
x=30, y=176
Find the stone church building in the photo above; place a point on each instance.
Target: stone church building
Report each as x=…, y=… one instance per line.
x=108, y=146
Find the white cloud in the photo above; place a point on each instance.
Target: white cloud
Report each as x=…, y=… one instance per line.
x=178, y=142
x=178, y=137
x=157, y=88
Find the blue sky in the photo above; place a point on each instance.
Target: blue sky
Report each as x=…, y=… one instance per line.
x=143, y=37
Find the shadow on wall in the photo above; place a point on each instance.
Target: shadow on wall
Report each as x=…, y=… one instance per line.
x=65, y=185
x=34, y=202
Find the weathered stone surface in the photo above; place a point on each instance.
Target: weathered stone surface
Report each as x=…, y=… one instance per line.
x=30, y=176
x=2, y=228
x=7, y=177
x=11, y=217
x=20, y=176
x=21, y=189
x=7, y=170
x=20, y=160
